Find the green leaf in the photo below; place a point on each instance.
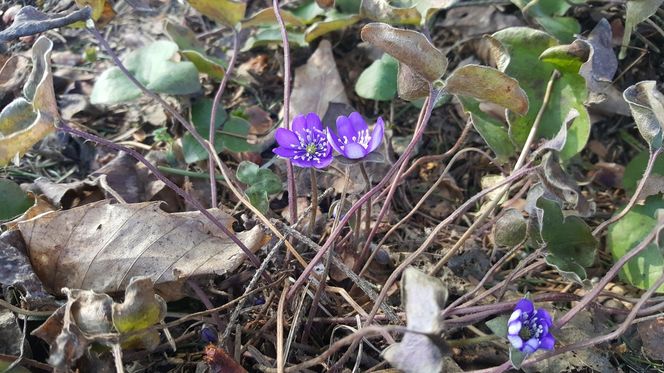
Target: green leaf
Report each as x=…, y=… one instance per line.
x=226, y=12
x=488, y=84
x=200, y=117
x=635, y=169
x=498, y=325
x=643, y=270
x=549, y=15
x=308, y=11
x=234, y=134
x=516, y=357
x=192, y=49
x=379, y=80
x=637, y=12
x=272, y=35
x=492, y=131
x=152, y=66
x=518, y=50
x=13, y=200
x=384, y=11
x=568, y=239
x=647, y=106
x=334, y=21
x=266, y=17
x=262, y=182
x=429, y=8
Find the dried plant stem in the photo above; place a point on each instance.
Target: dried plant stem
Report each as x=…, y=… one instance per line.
x=651, y=163
x=367, y=214
x=532, y=135
x=421, y=125
x=206, y=302
x=419, y=204
x=280, y=329
x=290, y=174
x=610, y=274
x=314, y=200
x=426, y=112
x=213, y=115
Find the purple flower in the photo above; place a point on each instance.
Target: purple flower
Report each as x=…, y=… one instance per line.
x=528, y=330
x=306, y=145
x=354, y=140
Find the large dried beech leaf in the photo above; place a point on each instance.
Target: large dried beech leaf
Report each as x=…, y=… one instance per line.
x=317, y=83
x=27, y=120
x=488, y=84
x=423, y=296
x=409, y=47
x=647, y=106
x=101, y=247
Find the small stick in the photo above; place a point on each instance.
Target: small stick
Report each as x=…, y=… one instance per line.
x=314, y=200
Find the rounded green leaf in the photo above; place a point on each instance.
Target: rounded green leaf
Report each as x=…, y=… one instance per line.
x=379, y=80
x=644, y=269
x=13, y=200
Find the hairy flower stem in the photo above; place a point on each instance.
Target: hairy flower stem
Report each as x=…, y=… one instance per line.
x=367, y=216
x=651, y=163
x=425, y=114
x=213, y=115
x=532, y=135
x=292, y=192
x=421, y=125
x=314, y=200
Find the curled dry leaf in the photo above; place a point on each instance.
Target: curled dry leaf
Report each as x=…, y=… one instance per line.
x=601, y=65
x=309, y=95
x=141, y=309
x=647, y=106
x=101, y=247
x=409, y=47
x=409, y=85
x=510, y=229
x=423, y=296
x=30, y=21
x=27, y=120
x=488, y=84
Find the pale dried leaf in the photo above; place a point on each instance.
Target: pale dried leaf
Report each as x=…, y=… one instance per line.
x=101, y=247
x=317, y=83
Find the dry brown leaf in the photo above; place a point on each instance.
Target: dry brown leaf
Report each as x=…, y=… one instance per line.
x=102, y=246
x=317, y=83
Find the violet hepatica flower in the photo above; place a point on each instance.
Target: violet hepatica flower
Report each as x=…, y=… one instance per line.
x=306, y=145
x=353, y=139
x=528, y=330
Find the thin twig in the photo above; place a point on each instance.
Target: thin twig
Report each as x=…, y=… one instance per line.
x=213, y=114
x=637, y=193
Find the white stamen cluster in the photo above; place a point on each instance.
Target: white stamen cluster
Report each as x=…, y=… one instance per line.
x=307, y=138
x=363, y=137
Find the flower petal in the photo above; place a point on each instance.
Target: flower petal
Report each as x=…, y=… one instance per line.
x=525, y=305
x=284, y=152
x=313, y=122
x=299, y=124
x=333, y=140
x=547, y=342
x=287, y=138
x=544, y=317
x=530, y=346
x=516, y=315
x=354, y=150
x=358, y=123
x=515, y=341
x=345, y=130
x=302, y=163
x=376, y=135
x=324, y=162
x=514, y=327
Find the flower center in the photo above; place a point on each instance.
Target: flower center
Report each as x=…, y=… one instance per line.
x=311, y=148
